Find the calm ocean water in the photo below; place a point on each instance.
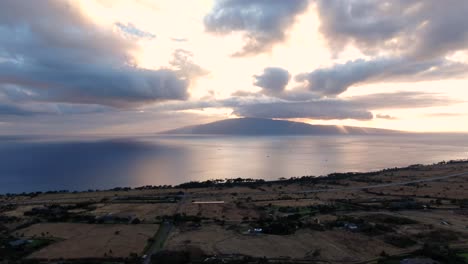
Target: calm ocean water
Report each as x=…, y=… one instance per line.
x=41, y=164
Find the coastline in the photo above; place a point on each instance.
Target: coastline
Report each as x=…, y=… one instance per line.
x=240, y=182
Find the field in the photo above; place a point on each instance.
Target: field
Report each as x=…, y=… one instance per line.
x=145, y=212
x=332, y=246
x=89, y=240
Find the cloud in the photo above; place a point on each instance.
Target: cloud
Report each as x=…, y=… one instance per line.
x=57, y=55
x=17, y=104
x=179, y=39
x=323, y=109
x=402, y=100
x=355, y=107
x=445, y=114
x=338, y=78
x=184, y=66
x=319, y=108
x=93, y=84
x=14, y=110
x=262, y=22
x=267, y=107
x=273, y=80
x=406, y=41
x=418, y=29
x=383, y=116
x=243, y=93
x=131, y=30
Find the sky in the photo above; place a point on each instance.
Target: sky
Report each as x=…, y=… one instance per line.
x=118, y=66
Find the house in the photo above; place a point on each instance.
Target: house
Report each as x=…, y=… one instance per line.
x=255, y=231
x=351, y=226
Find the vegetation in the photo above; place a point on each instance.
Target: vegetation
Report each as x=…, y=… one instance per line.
x=438, y=236
x=221, y=183
x=399, y=241
x=441, y=252
x=11, y=251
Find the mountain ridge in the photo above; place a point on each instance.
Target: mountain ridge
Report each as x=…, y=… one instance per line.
x=261, y=126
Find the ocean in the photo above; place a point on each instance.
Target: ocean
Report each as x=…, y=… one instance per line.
x=30, y=164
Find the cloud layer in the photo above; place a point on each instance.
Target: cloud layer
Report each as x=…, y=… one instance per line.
x=357, y=107
x=54, y=61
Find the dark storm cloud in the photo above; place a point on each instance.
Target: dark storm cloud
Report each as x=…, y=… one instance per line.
x=263, y=22
x=338, y=78
x=414, y=28
x=57, y=55
x=273, y=80
x=133, y=31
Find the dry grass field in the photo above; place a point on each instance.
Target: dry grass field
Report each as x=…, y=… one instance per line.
x=335, y=246
x=89, y=240
x=145, y=212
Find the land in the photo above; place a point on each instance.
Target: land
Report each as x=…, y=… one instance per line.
x=263, y=126
x=397, y=215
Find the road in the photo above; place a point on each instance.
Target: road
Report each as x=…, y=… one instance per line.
x=163, y=233
x=159, y=239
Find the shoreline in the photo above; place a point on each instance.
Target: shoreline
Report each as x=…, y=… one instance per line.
x=236, y=182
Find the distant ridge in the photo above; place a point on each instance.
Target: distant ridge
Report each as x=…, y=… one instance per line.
x=260, y=126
